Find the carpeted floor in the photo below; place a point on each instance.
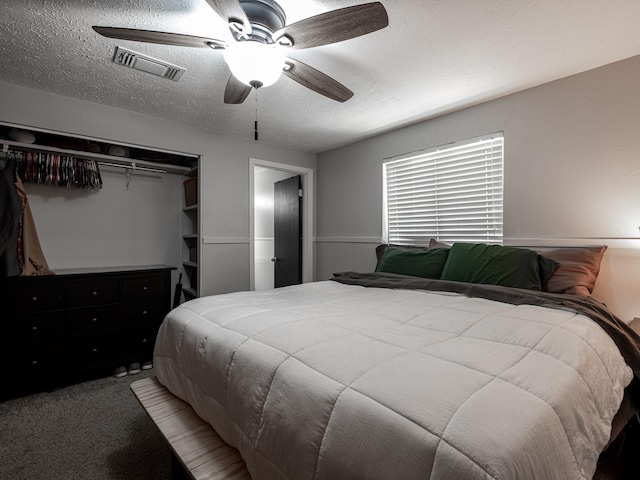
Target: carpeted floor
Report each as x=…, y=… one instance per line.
x=91, y=431
x=98, y=431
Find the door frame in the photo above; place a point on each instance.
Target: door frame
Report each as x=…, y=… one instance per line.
x=307, y=215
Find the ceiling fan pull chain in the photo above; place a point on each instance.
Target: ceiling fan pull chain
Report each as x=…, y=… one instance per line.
x=255, y=123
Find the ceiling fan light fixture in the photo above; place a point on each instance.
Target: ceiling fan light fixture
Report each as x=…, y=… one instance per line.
x=262, y=36
x=255, y=63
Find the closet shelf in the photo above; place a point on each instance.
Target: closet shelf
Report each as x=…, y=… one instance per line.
x=193, y=207
x=191, y=291
x=189, y=263
x=99, y=157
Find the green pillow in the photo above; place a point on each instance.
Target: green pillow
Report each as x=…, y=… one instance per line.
x=496, y=265
x=414, y=262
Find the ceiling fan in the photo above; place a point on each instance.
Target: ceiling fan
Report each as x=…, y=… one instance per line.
x=257, y=57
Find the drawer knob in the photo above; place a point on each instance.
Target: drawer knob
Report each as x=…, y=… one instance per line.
x=94, y=320
x=94, y=294
x=144, y=340
x=144, y=312
x=94, y=350
x=34, y=299
x=34, y=329
x=144, y=289
x=34, y=363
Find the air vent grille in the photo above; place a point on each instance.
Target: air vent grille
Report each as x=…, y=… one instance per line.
x=129, y=58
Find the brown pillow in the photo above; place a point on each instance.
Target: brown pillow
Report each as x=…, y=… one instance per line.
x=578, y=270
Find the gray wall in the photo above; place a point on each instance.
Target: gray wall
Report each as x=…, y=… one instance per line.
x=572, y=151
x=571, y=176
x=113, y=226
x=116, y=227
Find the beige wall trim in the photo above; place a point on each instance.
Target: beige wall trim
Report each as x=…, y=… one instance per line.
x=225, y=240
x=612, y=242
x=376, y=240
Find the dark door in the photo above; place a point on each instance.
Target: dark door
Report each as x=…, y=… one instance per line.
x=287, y=232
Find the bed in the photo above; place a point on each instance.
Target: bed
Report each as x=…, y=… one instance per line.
x=385, y=375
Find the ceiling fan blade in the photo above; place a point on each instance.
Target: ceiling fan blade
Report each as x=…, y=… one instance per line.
x=335, y=26
x=163, y=38
x=316, y=80
x=231, y=10
x=236, y=92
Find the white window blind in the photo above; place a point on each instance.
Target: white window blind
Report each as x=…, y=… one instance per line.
x=451, y=193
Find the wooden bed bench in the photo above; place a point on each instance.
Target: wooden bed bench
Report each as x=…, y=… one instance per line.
x=198, y=452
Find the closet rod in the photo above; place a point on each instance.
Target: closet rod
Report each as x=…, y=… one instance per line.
x=133, y=166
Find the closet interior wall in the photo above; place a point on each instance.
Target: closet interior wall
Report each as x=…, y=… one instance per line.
x=135, y=219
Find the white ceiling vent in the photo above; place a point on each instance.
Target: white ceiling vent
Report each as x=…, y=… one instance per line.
x=147, y=64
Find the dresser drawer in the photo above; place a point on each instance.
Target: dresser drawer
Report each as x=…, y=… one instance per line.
x=93, y=292
x=142, y=340
x=143, y=287
x=150, y=311
x=28, y=298
x=34, y=328
x=88, y=351
x=118, y=346
x=33, y=363
x=94, y=319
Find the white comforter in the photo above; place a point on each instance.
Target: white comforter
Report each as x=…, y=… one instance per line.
x=329, y=381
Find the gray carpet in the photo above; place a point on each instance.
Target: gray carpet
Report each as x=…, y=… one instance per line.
x=98, y=431
x=91, y=431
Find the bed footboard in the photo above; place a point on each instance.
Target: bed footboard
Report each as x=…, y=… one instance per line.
x=198, y=451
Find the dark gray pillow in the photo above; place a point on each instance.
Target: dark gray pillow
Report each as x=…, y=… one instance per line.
x=433, y=243
x=380, y=249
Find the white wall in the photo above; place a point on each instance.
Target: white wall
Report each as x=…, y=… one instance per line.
x=104, y=228
x=114, y=226
x=572, y=169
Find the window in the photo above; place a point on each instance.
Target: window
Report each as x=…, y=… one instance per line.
x=452, y=193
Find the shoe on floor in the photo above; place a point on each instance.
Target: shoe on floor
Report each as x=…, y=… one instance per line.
x=133, y=368
x=147, y=366
x=120, y=372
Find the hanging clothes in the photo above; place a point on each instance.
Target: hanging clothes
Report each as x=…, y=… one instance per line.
x=30, y=255
x=10, y=215
x=20, y=250
x=54, y=169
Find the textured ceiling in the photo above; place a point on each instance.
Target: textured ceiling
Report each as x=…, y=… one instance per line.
x=436, y=56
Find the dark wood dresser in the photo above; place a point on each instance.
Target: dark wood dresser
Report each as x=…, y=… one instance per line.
x=79, y=323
